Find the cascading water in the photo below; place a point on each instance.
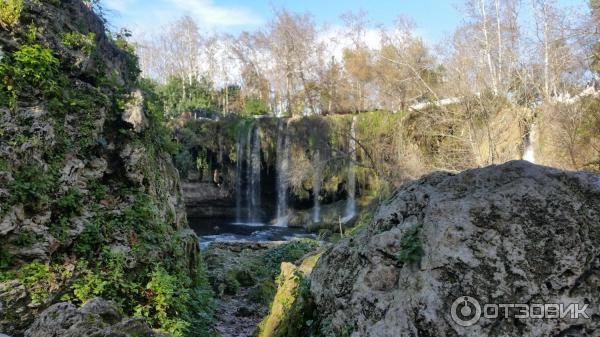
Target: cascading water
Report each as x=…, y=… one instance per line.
x=254, y=175
x=317, y=187
x=530, y=138
x=283, y=152
x=351, y=202
x=239, y=151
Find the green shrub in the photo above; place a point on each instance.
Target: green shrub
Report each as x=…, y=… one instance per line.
x=36, y=66
x=245, y=277
x=184, y=162
x=30, y=66
x=141, y=214
x=25, y=239
x=89, y=286
x=31, y=187
x=6, y=259
x=76, y=40
x=232, y=285
x=411, y=246
x=97, y=189
x=166, y=300
x=37, y=277
x=255, y=106
x=70, y=204
x=263, y=293
x=10, y=11
x=88, y=242
x=288, y=252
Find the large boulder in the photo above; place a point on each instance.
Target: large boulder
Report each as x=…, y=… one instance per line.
x=509, y=234
x=97, y=317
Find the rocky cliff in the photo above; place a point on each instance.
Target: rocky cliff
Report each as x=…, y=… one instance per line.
x=509, y=234
x=90, y=202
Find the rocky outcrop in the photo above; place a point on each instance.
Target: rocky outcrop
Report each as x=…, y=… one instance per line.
x=514, y=233
x=97, y=317
x=207, y=200
x=86, y=180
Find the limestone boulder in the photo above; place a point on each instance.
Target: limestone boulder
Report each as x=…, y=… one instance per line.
x=509, y=234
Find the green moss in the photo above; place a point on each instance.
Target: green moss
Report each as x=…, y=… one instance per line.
x=411, y=246
x=10, y=12
x=291, y=313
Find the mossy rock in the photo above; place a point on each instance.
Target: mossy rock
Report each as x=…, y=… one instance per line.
x=290, y=307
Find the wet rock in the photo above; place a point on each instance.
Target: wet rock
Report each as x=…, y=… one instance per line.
x=207, y=200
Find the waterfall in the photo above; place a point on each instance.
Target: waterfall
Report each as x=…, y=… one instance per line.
x=530, y=139
x=239, y=152
x=283, y=153
x=253, y=192
x=317, y=187
x=351, y=202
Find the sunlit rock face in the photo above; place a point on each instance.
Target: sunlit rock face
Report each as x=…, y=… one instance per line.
x=513, y=233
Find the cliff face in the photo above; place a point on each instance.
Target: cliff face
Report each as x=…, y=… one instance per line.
x=90, y=202
x=514, y=233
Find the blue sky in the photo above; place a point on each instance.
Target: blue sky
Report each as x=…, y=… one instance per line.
x=434, y=18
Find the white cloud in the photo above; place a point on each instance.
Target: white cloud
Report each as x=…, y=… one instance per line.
x=336, y=40
x=118, y=5
x=145, y=16
x=212, y=15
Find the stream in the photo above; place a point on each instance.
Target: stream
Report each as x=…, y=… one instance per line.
x=210, y=231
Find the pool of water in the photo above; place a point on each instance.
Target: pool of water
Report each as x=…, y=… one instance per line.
x=210, y=231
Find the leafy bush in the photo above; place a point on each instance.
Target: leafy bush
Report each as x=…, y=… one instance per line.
x=75, y=40
x=288, y=252
x=255, y=106
x=10, y=11
x=88, y=287
x=25, y=239
x=36, y=66
x=30, y=66
x=232, y=285
x=166, y=300
x=31, y=186
x=6, y=259
x=263, y=293
x=36, y=276
x=70, y=204
x=97, y=189
x=89, y=240
x=411, y=246
x=184, y=162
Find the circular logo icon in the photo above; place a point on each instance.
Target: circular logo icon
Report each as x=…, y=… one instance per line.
x=465, y=311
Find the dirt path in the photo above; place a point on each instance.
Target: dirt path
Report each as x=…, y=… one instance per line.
x=236, y=316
